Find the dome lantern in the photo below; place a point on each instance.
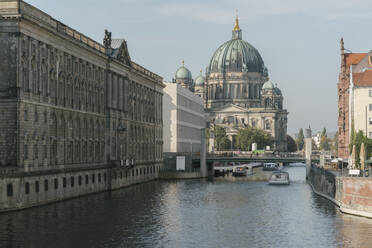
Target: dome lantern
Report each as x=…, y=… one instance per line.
x=237, y=32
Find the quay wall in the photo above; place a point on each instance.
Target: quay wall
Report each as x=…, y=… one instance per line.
x=28, y=189
x=356, y=197
x=353, y=195
x=323, y=182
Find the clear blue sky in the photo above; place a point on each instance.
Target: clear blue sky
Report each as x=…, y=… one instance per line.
x=298, y=40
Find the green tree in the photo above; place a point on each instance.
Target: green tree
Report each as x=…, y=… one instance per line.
x=358, y=139
x=247, y=136
x=291, y=144
x=335, y=144
x=324, y=132
x=207, y=136
x=221, y=141
x=352, y=136
x=324, y=141
x=314, y=147
x=300, y=139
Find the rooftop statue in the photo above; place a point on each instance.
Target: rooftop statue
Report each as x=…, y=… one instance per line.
x=107, y=40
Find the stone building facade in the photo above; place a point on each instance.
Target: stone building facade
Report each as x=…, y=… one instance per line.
x=352, y=113
x=184, y=120
x=71, y=108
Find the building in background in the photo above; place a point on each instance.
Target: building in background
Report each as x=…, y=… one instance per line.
x=199, y=85
x=317, y=138
x=362, y=101
x=354, y=97
x=238, y=93
x=77, y=117
x=183, y=122
x=183, y=77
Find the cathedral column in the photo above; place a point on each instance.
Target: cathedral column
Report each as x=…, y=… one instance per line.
x=236, y=90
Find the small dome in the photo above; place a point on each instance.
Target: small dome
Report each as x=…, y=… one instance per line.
x=183, y=73
x=268, y=85
x=199, y=81
x=277, y=91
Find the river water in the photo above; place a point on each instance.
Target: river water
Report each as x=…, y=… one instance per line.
x=194, y=213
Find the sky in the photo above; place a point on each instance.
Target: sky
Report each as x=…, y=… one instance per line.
x=298, y=40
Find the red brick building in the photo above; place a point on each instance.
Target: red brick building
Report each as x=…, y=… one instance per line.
x=350, y=63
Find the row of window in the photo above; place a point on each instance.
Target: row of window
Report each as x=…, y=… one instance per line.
x=56, y=183
x=80, y=180
x=139, y=172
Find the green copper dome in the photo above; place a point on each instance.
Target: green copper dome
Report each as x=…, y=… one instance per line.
x=183, y=73
x=268, y=85
x=236, y=55
x=278, y=91
x=199, y=81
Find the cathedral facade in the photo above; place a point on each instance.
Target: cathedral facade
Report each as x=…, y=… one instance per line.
x=237, y=91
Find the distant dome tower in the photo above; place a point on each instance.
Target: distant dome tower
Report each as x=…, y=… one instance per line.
x=184, y=77
x=199, y=85
x=238, y=93
x=272, y=97
x=235, y=73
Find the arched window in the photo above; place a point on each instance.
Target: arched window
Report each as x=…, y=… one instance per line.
x=268, y=125
x=44, y=79
x=36, y=151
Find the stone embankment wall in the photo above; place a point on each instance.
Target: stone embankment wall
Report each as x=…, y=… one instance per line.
x=323, y=182
x=352, y=194
x=23, y=190
x=356, y=196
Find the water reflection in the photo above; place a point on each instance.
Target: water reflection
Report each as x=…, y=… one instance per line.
x=192, y=213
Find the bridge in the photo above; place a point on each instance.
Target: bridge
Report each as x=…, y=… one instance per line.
x=211, y=158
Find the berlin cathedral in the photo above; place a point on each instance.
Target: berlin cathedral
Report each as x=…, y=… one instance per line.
x=237, y=91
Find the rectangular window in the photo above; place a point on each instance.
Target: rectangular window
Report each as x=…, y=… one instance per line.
x=55, y=183
x=132, y=172
x=136, y=172
x=104, y=176
x=370, y=107
x=9, y=189
x=93, y=178
x=99, y=177
x=370, y=120
x=86, y=179
x=46, y=185
x=370, y=135
x=79, y=180
x=64, y=182
x=72, y=182
x=27, y=188
x=25, y=152
x=370, y=93
x=36, y=186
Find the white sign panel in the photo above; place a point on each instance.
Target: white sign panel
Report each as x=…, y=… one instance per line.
x=354, y=172
x=180, y=163
x=254, y=147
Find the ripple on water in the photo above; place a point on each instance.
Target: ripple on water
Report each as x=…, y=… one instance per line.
x=193, y=213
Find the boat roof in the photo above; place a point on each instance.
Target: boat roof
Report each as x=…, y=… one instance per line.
x=280, y=172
